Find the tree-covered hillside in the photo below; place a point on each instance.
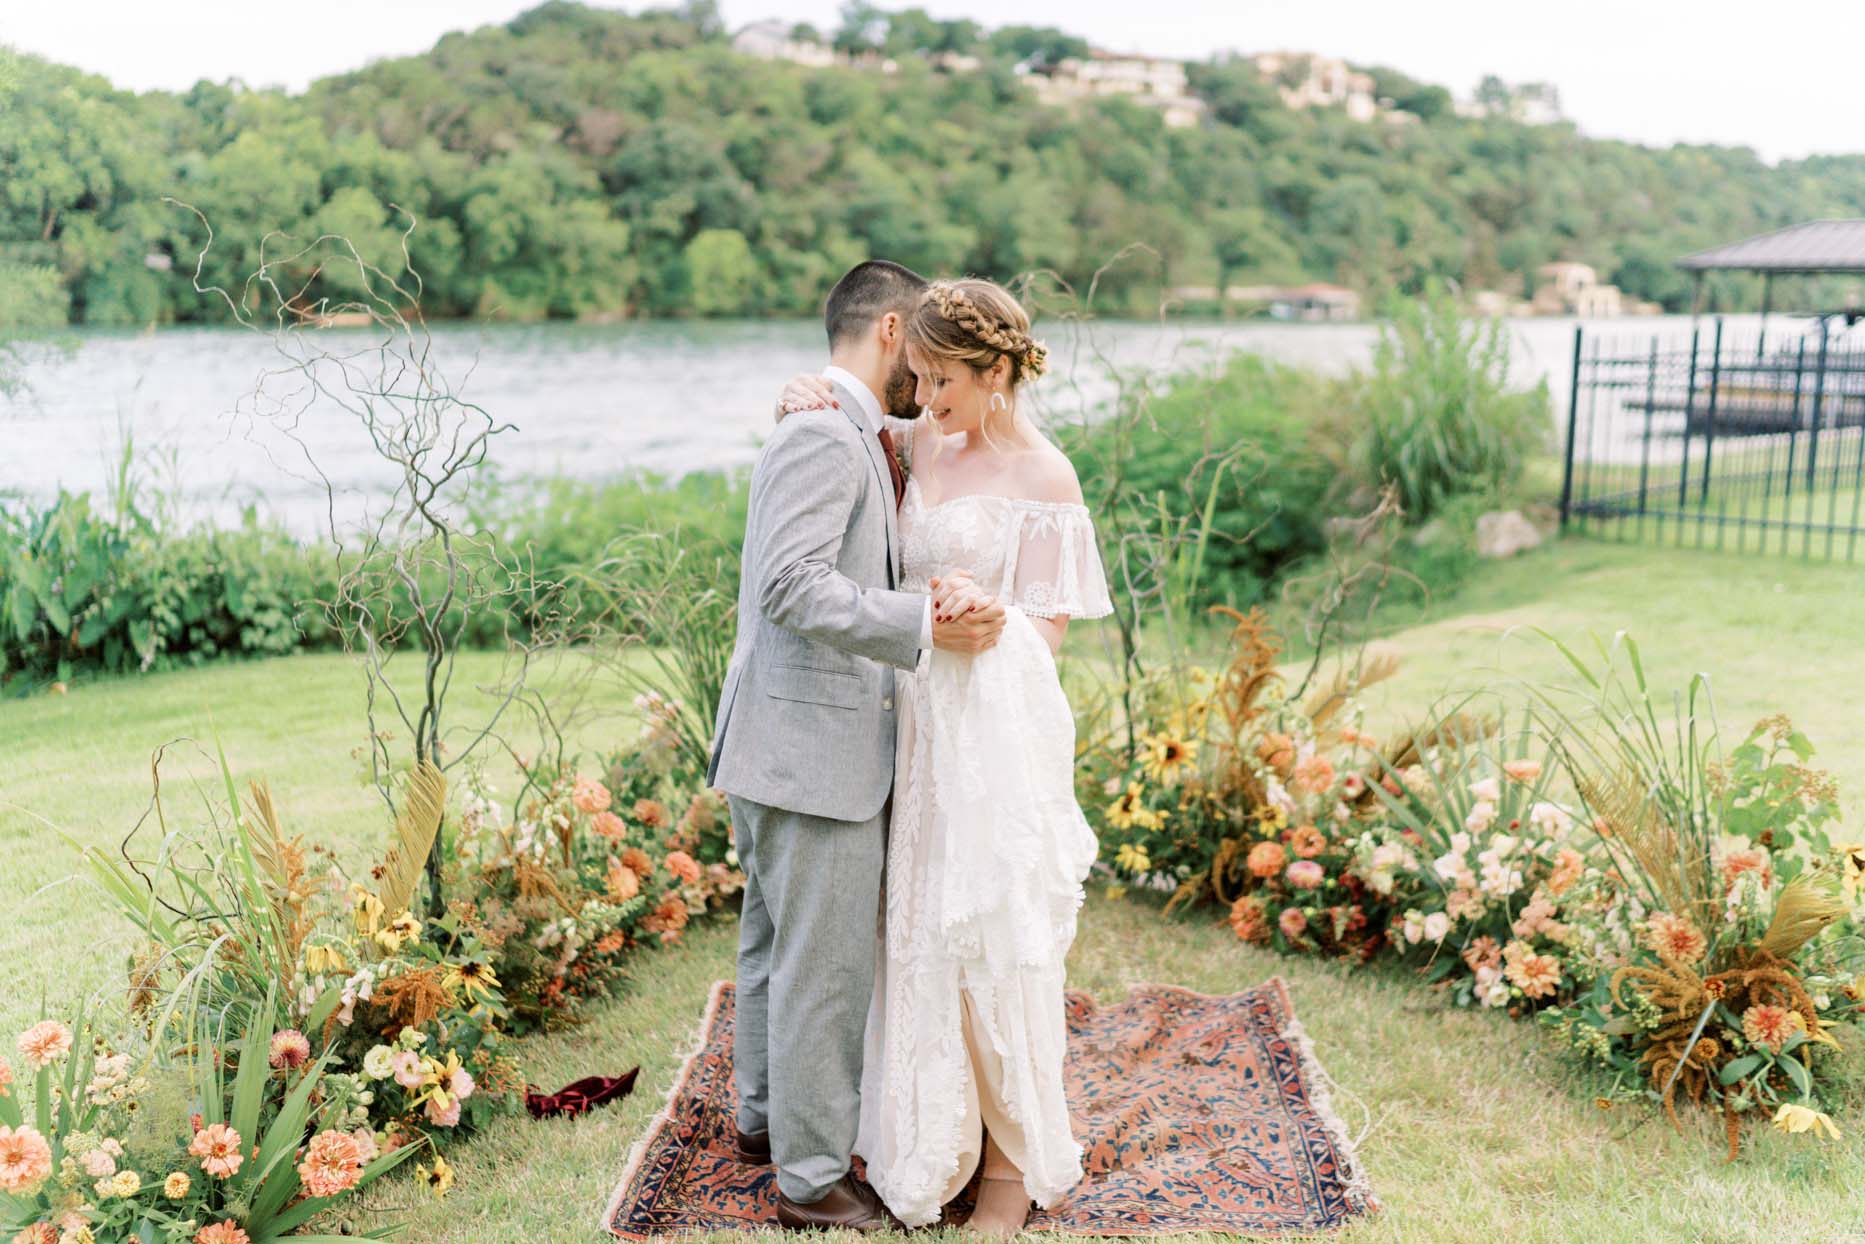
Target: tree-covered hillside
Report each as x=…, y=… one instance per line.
x=580, y=162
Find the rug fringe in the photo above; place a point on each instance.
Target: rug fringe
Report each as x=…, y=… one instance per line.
x=664, y=1115
x=1359, y=1188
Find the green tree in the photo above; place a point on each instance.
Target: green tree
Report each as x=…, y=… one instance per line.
x=721, y=271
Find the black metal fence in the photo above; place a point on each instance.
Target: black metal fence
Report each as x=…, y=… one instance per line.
x=1755, y=444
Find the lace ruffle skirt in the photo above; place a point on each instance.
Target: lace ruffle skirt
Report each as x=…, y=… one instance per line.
x=987, y=852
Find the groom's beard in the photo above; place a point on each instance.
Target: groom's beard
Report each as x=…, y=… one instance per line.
x=897, y=394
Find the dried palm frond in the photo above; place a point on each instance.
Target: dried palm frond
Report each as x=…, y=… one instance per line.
x=270, y=850
x=424, y=803
x=1457, y=729
x=535, y=882
x=1806, y=906
x=282, y=872
x=1376, y=665
x=1683, y=880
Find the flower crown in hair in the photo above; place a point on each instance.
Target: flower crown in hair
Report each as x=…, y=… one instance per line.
x=1030, y=355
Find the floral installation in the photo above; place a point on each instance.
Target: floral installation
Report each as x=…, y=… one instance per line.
x=1735, y=985
x=107, y=1143
x=374, y=1031
x=588, y=867
x=1232, y=788
x=1501, y=909
x=1680, y=917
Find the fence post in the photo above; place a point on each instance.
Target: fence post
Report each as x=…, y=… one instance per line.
x=1793, y=447
x=1690, y=414
x=1644, y=453
x=1709, y=425
x=1573, y=423
x=1813, y=434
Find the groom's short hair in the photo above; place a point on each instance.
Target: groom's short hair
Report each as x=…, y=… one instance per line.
x=865, y=293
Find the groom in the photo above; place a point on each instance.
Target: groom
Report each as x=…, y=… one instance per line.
x=805, y=749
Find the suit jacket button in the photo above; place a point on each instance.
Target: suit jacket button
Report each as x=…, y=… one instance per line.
x=888, y=703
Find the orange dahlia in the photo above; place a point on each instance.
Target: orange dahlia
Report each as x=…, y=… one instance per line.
x=1771, y=1025
x=1674, y=937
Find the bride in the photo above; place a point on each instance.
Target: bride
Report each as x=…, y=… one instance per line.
x=987, y=849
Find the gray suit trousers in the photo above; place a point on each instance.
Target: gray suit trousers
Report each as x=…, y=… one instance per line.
x=806, y=962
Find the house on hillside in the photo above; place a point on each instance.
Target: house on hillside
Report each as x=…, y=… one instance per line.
x=776, y=39
x=1152, y=81
x=1306, y=80
x=1529, y=103
x=1567, y=288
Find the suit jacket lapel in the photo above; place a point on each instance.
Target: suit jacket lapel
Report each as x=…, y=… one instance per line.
x=883, y=477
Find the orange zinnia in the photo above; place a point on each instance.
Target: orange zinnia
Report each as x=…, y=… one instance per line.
x=218, y=1147
x=1266, y=859
x=1307, y=841
x=1315, y=774
x=25, y=1159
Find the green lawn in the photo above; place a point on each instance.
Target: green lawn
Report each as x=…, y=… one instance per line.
x=1474, y=1129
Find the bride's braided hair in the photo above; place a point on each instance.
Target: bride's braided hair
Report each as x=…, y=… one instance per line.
x=976, y=322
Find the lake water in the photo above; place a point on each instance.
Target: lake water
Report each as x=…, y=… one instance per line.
x=585, y=401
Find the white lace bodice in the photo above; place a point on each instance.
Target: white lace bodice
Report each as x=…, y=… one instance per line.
x=1037, y=555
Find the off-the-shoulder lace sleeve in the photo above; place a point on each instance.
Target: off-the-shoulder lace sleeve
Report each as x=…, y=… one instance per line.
x=1055, y=566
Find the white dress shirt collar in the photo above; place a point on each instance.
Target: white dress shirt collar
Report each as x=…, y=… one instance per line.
x=870, y=404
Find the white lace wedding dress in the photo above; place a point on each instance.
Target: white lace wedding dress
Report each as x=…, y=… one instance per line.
x=986, y=855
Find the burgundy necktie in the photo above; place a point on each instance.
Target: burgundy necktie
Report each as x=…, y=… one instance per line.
x=894, y=473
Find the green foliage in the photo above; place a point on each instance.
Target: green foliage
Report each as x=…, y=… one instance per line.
x=1236, y=444
x=79, y=590
x=1437, y=417
x=579, y=161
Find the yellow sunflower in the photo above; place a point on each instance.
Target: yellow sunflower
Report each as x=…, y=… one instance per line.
x=1130, y=810
x=1167, y=756
x=1132, y=859
x=438, y=1177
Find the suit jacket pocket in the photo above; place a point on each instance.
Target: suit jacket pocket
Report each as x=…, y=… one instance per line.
x=807, y=685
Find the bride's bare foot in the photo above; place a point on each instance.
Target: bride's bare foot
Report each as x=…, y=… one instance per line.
x=1003, y=1207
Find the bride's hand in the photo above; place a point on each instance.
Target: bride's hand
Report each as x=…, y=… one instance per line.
x=955, y=595
x=805, y=393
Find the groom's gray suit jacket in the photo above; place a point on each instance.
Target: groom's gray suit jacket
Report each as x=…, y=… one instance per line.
x=806, y=716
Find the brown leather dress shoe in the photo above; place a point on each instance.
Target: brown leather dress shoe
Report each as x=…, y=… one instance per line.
x=849, y=1206
x=752, y=1148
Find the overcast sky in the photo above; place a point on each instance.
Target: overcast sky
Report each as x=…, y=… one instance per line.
x=1780, y=77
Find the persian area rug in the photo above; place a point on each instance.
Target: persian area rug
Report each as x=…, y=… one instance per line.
x=1195, y=1113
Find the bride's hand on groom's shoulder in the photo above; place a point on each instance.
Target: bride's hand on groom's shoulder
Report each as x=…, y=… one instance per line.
x=805, y=392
